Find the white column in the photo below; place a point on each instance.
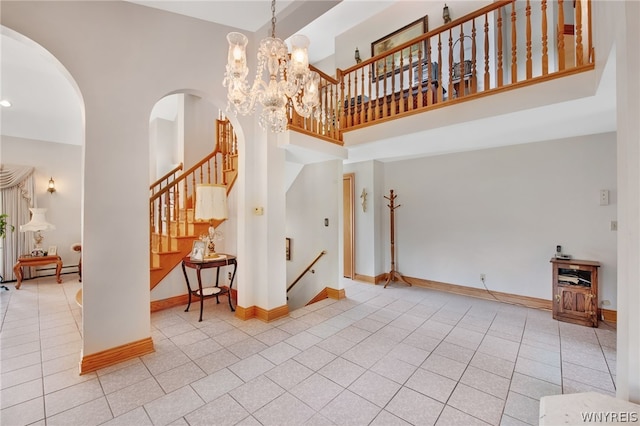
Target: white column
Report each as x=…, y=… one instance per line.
x=628, y=111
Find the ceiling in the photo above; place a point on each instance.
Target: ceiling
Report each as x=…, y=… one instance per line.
x=40, y=92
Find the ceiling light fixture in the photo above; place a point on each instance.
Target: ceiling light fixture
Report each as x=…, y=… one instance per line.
x=290, y=81
x=5, y=103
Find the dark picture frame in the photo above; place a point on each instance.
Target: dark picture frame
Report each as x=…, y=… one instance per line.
x=396, y=38
x=288, y=248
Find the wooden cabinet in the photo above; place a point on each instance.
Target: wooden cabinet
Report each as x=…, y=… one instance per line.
x=575, y=291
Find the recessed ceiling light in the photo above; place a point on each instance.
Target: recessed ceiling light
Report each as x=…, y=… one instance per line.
x=5, y=103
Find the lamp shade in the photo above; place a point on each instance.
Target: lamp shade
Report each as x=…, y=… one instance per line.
x=211, y=202
x=38, y=221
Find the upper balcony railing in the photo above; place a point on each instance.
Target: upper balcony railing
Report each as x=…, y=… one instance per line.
x=505, y=45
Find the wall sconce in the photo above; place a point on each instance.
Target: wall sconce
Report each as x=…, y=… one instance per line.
x=357, y=57
x=445, y=14
x=52, y=186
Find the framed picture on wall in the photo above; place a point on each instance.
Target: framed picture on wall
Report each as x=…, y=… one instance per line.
x=288, y=248
x=391, y=63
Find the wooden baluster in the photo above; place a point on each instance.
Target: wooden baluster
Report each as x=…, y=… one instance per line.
x=160, y=227
x=440, y=88
x=590, y=51
x=529, y=65
x=332, y=113
x=578, y=32
x=450, y=64
x=500, y=51
x=545, y=47
x=393, y=87
x=430, y=82
x=401, y=107
x=514, y=45
x=356, y=104
x=414, y=74
x=176, y=210
x=561, y=59
x=376, y=113
x=385, y=103
x=348, y=103
x=341, y=100
x=185, y=193
x=487, y=79
x=461, y=67
x=474, y=70
x=215, y=171
x=152, y=222
x=370, y=112
x=362, y=101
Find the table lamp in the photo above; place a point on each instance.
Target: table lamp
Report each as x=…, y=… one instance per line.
x=37, y=223
x=211, y=204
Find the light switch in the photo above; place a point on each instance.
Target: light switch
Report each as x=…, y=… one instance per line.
x=258, y=211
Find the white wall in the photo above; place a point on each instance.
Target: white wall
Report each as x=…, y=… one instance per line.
x=315, y=195
x=391, y=19
x=501, y=212
x=63, y=163
x=124, y=57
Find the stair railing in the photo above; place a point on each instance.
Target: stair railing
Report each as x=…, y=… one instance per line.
x=322, y=253
x=504, y=45
x=169, y=177
x=169, y=207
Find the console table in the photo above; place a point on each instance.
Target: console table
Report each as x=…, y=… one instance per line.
x=31, y=261
x=213, y=291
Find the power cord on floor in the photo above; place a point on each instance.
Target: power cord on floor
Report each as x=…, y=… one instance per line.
x=483, y=279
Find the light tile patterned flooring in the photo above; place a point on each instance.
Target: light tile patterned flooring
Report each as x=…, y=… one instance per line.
x=394, y=356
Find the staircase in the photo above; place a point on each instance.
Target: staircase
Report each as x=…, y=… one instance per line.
x=171, y=215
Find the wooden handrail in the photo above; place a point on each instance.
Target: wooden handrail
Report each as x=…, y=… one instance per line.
x=492, y=49
x=170, y=173
x=168, y=207
x=322, y=253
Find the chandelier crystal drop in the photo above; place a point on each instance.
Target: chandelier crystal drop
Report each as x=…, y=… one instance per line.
x=290, y=81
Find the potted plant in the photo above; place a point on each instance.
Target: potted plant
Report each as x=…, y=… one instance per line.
x=4, y=225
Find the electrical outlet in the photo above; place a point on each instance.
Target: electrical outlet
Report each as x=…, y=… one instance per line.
x=229, y=275
x=483, y=277
x=614, y=225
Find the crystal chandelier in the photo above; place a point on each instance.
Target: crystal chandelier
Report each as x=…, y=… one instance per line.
x=290, y=80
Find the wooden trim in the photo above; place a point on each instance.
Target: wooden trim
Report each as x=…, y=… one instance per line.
x=477, y=95
x=336, y=294
x=380, y=278
x=609, y=315
x=245, y=313
x=320, y=296
x=481, y=293
x=364, y=279
x=328, y=293
x=115, y=355
x=262, y=314
x=158, y=305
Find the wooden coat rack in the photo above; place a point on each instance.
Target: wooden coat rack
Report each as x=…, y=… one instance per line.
x=393, y=275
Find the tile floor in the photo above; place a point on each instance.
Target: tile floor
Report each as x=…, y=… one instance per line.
x=394, y=356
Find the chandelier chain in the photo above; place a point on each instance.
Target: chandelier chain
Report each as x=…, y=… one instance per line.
x=289, y=85
x=273, y=18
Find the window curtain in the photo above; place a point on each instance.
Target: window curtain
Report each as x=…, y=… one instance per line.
x=17, y=194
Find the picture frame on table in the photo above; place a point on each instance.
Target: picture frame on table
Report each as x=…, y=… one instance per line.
x=53, y=251
x=197, y=250
x=396, y=38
